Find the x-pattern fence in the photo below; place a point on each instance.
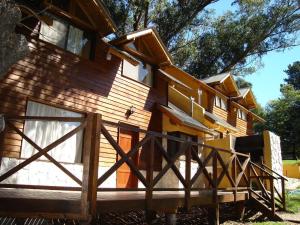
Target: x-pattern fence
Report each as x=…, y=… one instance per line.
x=91, y=134
x=213, y=164
x=224, y=163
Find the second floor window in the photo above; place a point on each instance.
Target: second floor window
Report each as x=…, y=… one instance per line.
x=142, y=72
x=242, y=114
x=66, y=36
x=220, y=103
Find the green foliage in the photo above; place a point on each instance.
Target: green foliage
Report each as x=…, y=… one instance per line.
x=293, y=73
x=204, y=44
x=242, y=83
x=283, y=118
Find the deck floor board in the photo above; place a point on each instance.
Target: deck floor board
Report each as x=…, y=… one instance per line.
x=44, y=201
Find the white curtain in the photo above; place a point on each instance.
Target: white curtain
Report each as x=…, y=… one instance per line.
x=76, y=42
x=44, y=133
x=55, y=33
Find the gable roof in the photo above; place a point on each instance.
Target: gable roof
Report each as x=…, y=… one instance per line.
x=248, y=97
x=217, y=79
x=225, y=79
x=182, y=118
x=149, y=46
x=100, y=16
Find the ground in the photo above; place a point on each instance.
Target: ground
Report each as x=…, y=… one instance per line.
x=199, y=216
x=290, y=162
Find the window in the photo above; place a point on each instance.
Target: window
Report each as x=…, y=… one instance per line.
x=44, y=133
x=242, y=114
x=220, y=103
x=175, y=146
x=142, y=72
x=66, y=36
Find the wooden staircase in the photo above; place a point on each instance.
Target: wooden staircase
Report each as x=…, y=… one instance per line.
x=263, y=191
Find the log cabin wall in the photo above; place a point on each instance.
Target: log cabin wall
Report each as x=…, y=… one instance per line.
x=53, y=76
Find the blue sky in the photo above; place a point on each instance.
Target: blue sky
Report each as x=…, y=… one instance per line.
x=266, y=80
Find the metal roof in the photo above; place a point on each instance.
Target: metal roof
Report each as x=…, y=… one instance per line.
x=184, y=118
x=216, y=79
x=220, y=121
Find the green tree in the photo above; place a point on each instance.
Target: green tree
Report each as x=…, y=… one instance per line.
x=293, y=73
x=242, y=83
x=283, y=118
x=204, y=44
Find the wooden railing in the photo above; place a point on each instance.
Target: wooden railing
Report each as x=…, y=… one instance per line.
x=91, y=138
x=214, y=165
x=263, y=187
x=223, y=163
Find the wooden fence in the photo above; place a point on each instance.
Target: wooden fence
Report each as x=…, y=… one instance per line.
x=225, y=164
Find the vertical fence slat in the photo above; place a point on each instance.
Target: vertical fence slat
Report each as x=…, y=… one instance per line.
x=283, y=193
x=188, y=159
x=215, y=177
x=149, y=175
x=90, y=165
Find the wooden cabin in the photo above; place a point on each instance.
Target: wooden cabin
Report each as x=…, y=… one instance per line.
x=71, y=71
x=93, y=125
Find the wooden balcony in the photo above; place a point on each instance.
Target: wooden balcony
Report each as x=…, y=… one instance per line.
x=89, y=198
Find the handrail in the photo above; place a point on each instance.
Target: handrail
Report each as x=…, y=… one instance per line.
x=274, y=172
x=257, y=166
x=161, y=135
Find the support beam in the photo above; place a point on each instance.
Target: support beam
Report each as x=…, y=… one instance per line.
x=214, y=215
x=171, y=218
x=240, y=209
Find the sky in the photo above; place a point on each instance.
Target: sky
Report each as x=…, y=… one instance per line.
x=266, y=80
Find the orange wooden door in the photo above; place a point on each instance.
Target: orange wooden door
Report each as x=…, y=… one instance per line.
x=125, y=177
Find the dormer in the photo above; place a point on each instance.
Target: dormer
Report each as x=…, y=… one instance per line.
x=71, y=25
x=149, y=54
x=224, y=83
x=247, y=98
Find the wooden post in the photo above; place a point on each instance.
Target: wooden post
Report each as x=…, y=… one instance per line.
x=234, y=175
x=149, y=175
x=215, y=177
x=272, y=195
x=171, y=218
x=214, y=215
x=188, y=159
x=240, y=209
x=283, y=193
x=90, y=165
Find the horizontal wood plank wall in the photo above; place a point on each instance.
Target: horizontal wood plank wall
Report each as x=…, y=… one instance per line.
x=242, y=126
x=223, y=114
x=56, y=77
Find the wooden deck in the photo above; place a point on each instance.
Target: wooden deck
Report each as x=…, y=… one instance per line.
x=89, y=199
x=36, y=202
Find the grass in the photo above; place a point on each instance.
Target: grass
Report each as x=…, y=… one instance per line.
x=293, y=203
x=290, y=162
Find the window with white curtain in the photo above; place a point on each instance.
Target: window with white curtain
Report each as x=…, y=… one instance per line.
x=242, y=114
x=142, y=72
x=44, y=133
x=220, y=103
x=66, y=36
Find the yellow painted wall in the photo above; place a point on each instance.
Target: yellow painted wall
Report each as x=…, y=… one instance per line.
x=224, y=143
x=292, y=171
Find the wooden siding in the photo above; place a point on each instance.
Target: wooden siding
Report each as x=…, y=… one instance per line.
x=223, y=114
x=242, y=126
x=51, y=75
